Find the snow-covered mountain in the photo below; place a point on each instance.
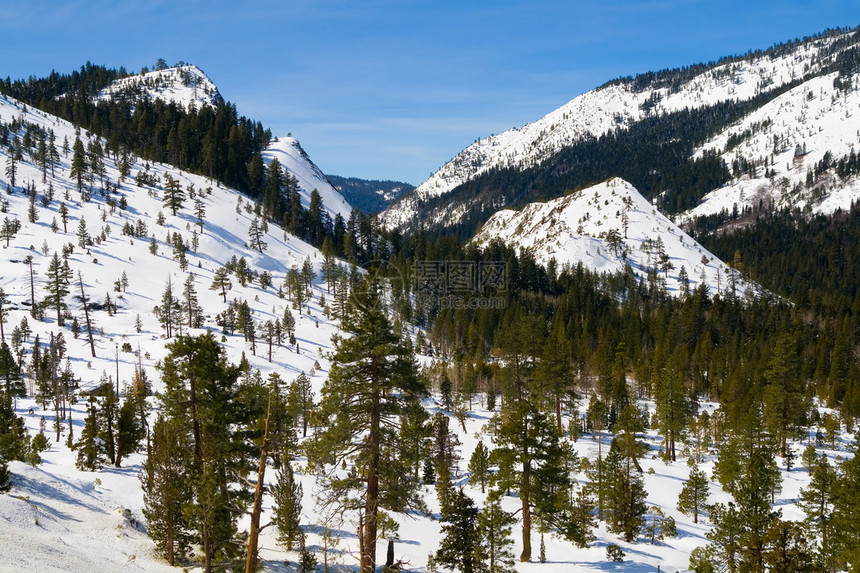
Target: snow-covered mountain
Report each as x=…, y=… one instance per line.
x=296, y=162
x=620, y=104
x=783, y=142
x=184, y=85
x=606, y=227
x=188, y=85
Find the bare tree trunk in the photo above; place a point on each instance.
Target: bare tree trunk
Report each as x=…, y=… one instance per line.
x=389, y=558
x=87, y=316
x=254, y=533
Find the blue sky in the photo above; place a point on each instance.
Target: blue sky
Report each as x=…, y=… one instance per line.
x=393, y=89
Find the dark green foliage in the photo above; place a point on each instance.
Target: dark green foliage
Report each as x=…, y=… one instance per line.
x=493, y=553
x=130, y=429
x=673, y=407
x=364, y=195
x=203, y=401
x=783, y=396
x=307, y=560
x=789, y=550
x=59, y=277
x=694, y=495
x=739, y=539
x=459, y=533
x=614, y=553
x=174, y=196
x=91, y=452
x=846, y=510
x=167, y=489
x=5, y=476
x=479, y=466
x=287, y=508
x=625, y=495
x=372, y=382
x=531, y=462
x=78, y=168
x=14, y=439
x=10, y=373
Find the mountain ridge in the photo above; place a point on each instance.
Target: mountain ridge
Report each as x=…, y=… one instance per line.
x=615, y=107
x=607, y=228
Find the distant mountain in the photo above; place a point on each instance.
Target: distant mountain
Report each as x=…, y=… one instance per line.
x=612, y=228
x=369, y=196
x=676, y=135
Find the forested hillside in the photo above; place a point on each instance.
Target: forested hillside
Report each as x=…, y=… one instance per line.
x=199, y=371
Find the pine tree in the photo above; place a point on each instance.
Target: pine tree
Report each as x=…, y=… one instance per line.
x=479, y=466
x=107, y=419
x=818, y=503
x=739, y=537
x=300, y=401
x=201, y=397
x=14, y=438
x=459, y=533
x=190, y=305
x=789, y=550
x=64, y=216
x=582, y=517
x=12, y=167
x=10, y=372
x=5, y=475
x=554, y=374
x=846, y=512
x=167, y=489
x=130, y=430
x=694, y=495
x=287, y=508
x=493, y=552
x=174, y=196
x=9, y=229
x=199, y=212
x=3, y=312
x=255, y=236
x=530, y=461
x=726, y=538
x=59, y=276
x=91, y=454
x=673, y=407
x=169, y=311
x=78, y=170
x=625, y=502
x=221, y=281
x=373, y=379
x=783, y=392
x=82, y=234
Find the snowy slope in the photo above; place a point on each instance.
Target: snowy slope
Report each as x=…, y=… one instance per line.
x=574, y=229
x=792, y=134
x=68, y=506
x=614, y=106
x=296, y=162
x=183, y=85
x=188, y=85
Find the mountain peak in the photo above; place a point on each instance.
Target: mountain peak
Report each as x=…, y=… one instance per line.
x=607, y=227
x=183, y=84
